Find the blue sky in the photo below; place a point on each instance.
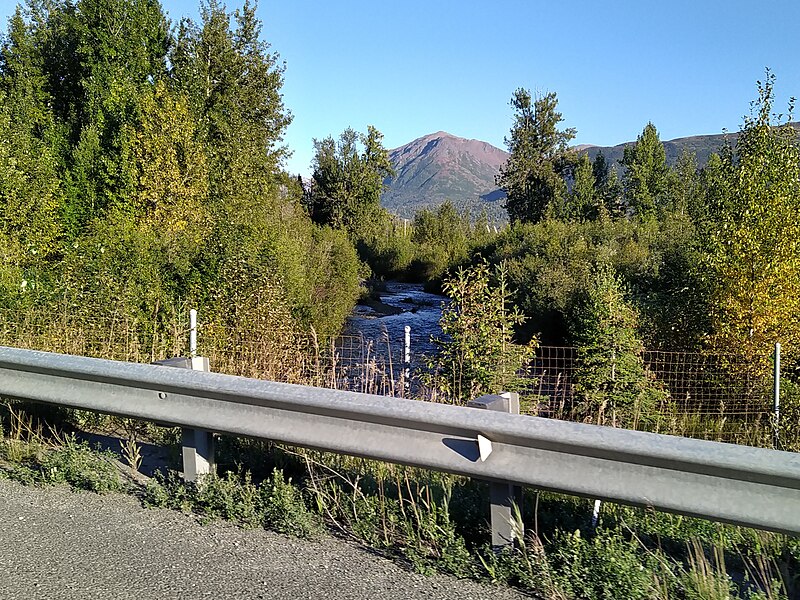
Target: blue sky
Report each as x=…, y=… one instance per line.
x=417, y=67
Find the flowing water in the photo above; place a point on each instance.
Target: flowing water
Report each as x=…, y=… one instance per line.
x=411, y=306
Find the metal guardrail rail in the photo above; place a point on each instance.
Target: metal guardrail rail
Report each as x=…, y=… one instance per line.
x=738, y=484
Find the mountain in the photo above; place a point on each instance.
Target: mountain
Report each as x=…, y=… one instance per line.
x=441, y=166
x=702, y=146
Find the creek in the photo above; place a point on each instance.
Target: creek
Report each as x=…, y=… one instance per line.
x=400, y=304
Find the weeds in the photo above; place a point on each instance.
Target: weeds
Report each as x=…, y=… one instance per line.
x=275, y=503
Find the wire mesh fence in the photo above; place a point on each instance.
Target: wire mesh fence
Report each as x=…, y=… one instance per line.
x=705, y=395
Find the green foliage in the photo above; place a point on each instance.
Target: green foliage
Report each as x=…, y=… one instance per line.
x=477, y=354
x=583, y=203
x=611, y=381
x=789, y=415
x=71, y=462
x=348, y=177
x=753, y=239
x=551, y=266
x=275, y=503
x=383, y=243
x=128, y=188
x=533, y=176
x=442, y=239
x=646, y=174
x=603, y=567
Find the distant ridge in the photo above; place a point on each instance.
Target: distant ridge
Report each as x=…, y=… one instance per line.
x=702, y=146
x=441, y=166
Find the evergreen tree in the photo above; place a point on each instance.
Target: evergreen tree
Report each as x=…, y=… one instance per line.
x=348, y=177
x=582, y=203
x=533, y=176
x=611, y=379
x=613, y=195
x=600, y=170
x=645, y=178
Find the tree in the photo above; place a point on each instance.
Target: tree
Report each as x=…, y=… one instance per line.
x=348, y=178
x=533, y=176
x=613, y=197
x=476, y=351
x=442, y=239
x=600, y=170
x=233, y=83
x=171, y=181
x=753, y=238
x=683, y=184
x=645, y=177
x=611, y=379
x=582, y=203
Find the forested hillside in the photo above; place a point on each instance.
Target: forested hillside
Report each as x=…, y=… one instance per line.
x=141, y=172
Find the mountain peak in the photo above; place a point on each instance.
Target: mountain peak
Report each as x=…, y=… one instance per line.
x=441, y=166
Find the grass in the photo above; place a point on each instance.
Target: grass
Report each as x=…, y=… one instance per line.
x=30, y=456
x=431, y=521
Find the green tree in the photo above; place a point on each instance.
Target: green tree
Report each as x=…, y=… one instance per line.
x=683, y=184
x=348, y=178
x=611, y=379
x=582, y=203
x=233, y=83
x=171, y=174
x=613, y=197
x=477, y=354
x=600, y=170
x=120, y=49
x=753, y=262
x=31, y=193
x=533, y=176
x=645, y=178
x=442, y=239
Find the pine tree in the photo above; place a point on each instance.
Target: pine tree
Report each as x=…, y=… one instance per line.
x=645, y=178
x=533, y=176
x=582, y=203
x=611, y=379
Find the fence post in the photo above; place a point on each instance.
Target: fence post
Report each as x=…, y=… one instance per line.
x=197, y=445
x=502, y=496
x=776, y=407
x=407, y=360
x=192, y=333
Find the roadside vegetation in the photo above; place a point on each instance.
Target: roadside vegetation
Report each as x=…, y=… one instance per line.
x=141, y=173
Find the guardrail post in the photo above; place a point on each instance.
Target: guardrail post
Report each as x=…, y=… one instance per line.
x=197, y=445
x=502, y=496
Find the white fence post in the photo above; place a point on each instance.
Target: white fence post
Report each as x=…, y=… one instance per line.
x=776, y=407
x=407, y=360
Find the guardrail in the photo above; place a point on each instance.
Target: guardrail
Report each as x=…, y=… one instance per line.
x=738, y=484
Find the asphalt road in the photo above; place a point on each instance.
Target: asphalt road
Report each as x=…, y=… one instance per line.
x=61, y=544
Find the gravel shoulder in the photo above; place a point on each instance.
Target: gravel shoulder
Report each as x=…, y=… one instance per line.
x=64, y=544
